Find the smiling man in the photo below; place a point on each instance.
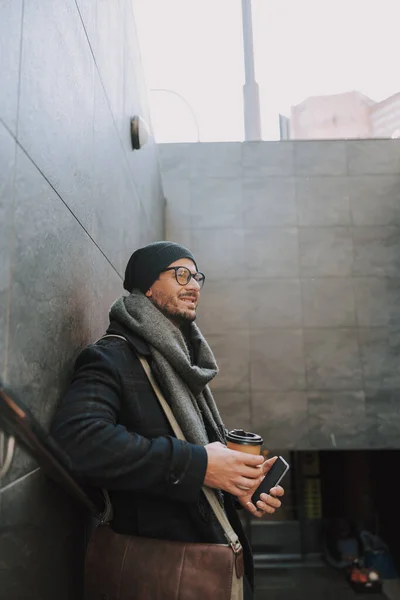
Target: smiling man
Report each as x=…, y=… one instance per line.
x=116, y=433
x=178, y=305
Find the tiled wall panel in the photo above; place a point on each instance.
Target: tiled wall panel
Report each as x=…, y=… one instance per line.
x=302, y=258
x=75, y=201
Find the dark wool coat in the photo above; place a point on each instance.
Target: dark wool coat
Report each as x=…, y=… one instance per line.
x=111, y=425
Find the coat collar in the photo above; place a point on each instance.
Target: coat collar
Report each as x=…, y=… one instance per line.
x=138, y=344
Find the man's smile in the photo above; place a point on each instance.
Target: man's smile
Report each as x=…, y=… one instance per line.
x=189, y=299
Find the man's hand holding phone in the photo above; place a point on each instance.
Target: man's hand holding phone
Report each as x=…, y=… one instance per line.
x=265, y=497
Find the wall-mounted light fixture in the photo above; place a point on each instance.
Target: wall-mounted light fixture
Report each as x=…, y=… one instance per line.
x=139, y=132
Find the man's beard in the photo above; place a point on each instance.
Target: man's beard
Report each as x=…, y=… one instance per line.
x=164, y=302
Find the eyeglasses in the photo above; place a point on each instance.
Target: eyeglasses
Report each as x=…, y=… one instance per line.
x=183, y=275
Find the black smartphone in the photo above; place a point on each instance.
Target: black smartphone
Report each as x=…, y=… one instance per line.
x=272, y=478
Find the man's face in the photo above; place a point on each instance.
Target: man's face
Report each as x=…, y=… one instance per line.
x=175, y=301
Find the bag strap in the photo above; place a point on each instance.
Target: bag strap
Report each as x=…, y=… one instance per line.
x=209, y=494
x=230, y=534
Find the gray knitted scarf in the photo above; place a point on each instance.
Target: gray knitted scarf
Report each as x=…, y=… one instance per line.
x=185, y=384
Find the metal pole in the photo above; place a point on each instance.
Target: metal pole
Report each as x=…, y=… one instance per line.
x=251, y=96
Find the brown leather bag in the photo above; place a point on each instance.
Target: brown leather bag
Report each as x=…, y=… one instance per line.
x=125, y=567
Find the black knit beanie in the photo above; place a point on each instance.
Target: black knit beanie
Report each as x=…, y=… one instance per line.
x=145, y=264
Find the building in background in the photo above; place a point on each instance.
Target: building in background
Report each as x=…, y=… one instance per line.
x=385, y=117
x=344, y=116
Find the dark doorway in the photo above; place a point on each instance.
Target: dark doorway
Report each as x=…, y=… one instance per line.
x=356, y=487
x=362, y=487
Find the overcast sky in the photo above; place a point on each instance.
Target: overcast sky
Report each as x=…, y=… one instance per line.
x=302, y=48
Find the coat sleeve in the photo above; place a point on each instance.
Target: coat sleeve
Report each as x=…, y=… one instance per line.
x=105, y=453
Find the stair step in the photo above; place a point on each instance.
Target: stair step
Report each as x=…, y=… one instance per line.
x=286, y=560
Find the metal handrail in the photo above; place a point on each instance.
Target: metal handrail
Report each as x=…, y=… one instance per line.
x=17, y=421
x=7, y=460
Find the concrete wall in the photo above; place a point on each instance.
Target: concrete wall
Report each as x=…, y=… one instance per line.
x=301, y=249
x=75, y=201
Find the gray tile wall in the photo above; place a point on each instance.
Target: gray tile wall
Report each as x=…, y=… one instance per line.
x=301, y=247
x=75, y=201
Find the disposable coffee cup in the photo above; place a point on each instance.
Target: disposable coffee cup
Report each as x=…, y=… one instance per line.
x=244, y=441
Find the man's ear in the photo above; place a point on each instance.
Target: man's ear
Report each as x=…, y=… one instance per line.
x=149, y=293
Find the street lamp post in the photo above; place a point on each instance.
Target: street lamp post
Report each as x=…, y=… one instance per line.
x=187, y=104
x=251, y=96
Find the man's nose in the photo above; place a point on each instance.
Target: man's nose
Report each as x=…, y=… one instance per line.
x=193, y=285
